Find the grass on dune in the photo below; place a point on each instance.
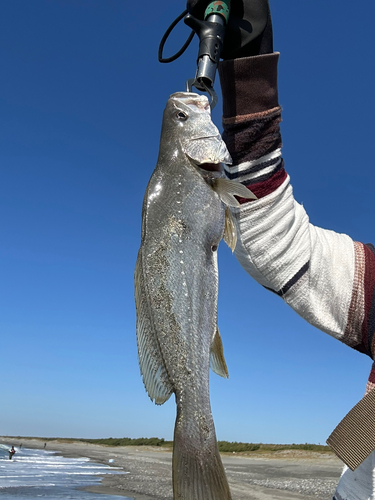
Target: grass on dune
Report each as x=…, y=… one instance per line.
x=224, y=446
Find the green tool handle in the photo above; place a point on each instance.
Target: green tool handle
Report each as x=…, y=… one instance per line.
x=220, y=7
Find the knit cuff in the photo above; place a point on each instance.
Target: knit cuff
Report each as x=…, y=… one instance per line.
x=249, y=85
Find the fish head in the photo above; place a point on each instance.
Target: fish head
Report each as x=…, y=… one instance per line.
x=187, y=124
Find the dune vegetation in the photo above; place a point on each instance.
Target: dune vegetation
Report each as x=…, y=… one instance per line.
x=224, y=446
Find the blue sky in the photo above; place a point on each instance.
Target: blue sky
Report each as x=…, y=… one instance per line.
x=81, y=102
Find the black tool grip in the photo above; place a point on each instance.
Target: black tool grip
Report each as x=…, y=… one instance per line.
x=211, y=37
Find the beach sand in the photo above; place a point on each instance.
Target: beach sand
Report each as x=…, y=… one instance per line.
x=282, y=475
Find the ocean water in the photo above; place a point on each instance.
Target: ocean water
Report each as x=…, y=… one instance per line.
x=37, y=474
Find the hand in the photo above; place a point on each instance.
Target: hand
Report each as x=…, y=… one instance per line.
x=249, y=30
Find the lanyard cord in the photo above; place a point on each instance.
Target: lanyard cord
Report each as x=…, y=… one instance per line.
x=165, y=37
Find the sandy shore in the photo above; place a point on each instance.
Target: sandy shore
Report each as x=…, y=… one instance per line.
x=284, y=475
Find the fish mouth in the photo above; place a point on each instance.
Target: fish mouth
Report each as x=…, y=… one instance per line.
x=211, y=167
x=207, y=166
x=203, y=137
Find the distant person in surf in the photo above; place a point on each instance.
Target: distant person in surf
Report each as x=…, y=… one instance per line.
x=45, y=444
x=12, y=451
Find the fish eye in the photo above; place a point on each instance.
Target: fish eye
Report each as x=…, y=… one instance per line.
x=214, y=248
x=181, y=115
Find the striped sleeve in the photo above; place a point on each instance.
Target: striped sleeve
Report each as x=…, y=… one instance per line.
x=326, y=277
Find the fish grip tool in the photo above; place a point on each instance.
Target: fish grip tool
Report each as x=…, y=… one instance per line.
x=210, y=32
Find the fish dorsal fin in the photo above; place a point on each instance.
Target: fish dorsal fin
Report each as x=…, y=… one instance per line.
x=230, y=230
x=154, y=373
x=217, y=360
x=227, y=190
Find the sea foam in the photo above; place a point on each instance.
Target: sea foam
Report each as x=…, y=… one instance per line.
x=33, y=474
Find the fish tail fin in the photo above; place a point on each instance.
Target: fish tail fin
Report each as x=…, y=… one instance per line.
x=197, y=469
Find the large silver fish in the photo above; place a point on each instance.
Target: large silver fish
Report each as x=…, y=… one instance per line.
x=176, y=287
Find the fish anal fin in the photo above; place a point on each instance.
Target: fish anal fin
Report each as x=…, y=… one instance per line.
x=230, y=230
x=217, y=360
x=154, y=373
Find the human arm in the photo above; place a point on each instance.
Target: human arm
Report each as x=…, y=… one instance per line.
x=325, y=277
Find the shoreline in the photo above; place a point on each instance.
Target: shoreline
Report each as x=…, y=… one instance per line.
x=282, y=475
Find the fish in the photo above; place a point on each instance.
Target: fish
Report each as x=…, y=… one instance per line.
x=185, y=215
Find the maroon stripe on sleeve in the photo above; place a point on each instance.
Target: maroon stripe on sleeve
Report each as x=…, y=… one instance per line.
x=372, y=375
x=371, y=380
x=353, y=330
x=264, y=188
x=369, y=282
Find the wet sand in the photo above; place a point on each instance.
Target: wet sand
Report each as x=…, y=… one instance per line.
x=283, y=475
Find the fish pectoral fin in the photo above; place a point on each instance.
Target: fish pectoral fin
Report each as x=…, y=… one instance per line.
x=154, y=373
x=230, y=230
x=227, y=190
x=217, y=360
